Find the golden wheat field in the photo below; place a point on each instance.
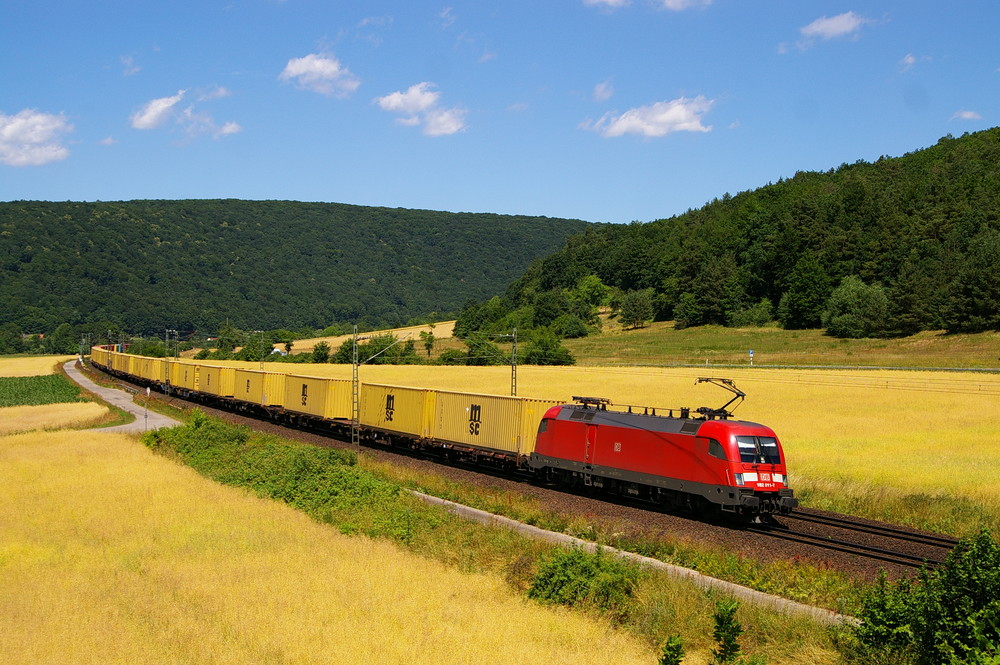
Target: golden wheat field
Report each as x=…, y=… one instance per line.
x=110, y=554
x=914, y=432
x=31, y=365
x=50, y=416
x=442, y=330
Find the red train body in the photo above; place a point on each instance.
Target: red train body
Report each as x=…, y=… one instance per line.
x=734, y=465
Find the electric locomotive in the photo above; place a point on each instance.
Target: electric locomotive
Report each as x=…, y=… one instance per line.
x=700, y=461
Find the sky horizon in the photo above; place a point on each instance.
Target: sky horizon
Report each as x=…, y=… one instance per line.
x=601, y=110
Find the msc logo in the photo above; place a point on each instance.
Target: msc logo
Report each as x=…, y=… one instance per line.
x=390, y=407
x=475, y=419
x=248, y=385
x=305, y=393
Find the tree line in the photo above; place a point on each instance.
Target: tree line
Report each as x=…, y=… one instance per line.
x=142, y=267
x=888, y=248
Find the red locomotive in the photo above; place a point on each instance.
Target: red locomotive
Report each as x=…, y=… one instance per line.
x=702, y=461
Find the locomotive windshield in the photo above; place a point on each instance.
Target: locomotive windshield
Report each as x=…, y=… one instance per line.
x=758, y=449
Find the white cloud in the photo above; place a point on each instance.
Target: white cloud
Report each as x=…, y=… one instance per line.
x=227, y=129
x=130, y=67
x=910, y=61
x=825, y=28
x=320, y=73
x=419, y=106
x=447, y=17
x=603, y=91
x=32, y=138
x=834, y=26
x=192, y=120
x=218, y=92
x=681, y=5
x=654, y=120
x=418, y=97
x=607, y=4
x=154, y=113
x=442, y=122
x=966, y=115
x=110, y=140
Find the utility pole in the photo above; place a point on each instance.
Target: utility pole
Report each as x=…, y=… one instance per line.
x=355, y=393
x=513, y=364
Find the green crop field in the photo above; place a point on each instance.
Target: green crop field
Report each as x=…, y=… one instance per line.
x=34, y=390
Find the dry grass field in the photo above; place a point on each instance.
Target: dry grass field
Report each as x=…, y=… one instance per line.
x=51, y=416
x=110, y=554
x=30, y=365
x=441, y=330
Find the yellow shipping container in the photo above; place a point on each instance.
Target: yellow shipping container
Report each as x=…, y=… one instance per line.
x=184, y=375
x=257, y=387
x=217, y=380
x=327, y=398
x=532, y=411
x=483, y=421
x=397, y=409
x=248, y=385
x=151, y=369
x=99, y=356
x=119, y=361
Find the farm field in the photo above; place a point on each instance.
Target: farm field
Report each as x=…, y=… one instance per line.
x=111, y=554
x=661, y=344
x=33, y=397
x=907, y=446
x=50, y=416
x=30, y=365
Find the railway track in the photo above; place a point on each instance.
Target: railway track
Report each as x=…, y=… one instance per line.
x=879, y=542
x=804, y=533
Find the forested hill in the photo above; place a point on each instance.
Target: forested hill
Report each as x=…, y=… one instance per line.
x=149, y=265
x=868, y=249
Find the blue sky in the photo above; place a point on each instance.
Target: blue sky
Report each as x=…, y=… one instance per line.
x=603, y=110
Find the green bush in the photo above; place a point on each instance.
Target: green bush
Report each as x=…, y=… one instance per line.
x=576, y=577
x=856, y=310
x=757, y=316
x=947, y=616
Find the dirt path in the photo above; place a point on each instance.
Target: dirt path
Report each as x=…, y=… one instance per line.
x=144, y=419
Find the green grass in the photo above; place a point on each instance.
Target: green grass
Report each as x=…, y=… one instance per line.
x=661, y=344
x=35, y=390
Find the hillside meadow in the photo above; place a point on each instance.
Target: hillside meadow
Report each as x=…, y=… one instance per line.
x=906, y=446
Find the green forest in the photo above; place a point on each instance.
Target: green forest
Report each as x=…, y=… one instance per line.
x=879, y=249
x=142, y=267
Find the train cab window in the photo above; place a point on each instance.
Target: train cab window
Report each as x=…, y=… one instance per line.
x=758, y=449
x=543, y=426
x=715, y=449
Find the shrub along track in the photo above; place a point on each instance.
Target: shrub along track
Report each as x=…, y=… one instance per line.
x=634, y=521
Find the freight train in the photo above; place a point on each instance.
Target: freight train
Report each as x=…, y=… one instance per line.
x=704, y=461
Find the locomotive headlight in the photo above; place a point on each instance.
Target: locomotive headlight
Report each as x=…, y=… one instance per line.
x=739, y=479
